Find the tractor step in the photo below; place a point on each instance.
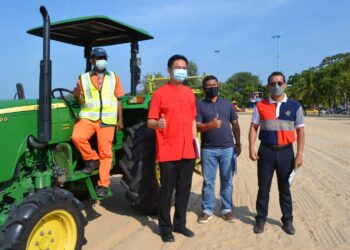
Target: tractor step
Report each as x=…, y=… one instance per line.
x=109, y=194
x=92, y=190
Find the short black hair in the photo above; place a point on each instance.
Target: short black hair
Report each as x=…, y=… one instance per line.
x=208, y=78
x=174, y=58
x=276, y=73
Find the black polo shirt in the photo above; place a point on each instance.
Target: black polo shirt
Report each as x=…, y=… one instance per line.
x=216, y=137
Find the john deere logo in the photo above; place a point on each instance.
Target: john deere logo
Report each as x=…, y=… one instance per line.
x=288, y=113
x=4, y=119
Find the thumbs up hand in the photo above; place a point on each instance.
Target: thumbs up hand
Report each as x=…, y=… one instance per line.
x=162, y=121
x=216, y=122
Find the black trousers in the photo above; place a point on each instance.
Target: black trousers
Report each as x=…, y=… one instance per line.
x=178, y=175
x=283, y=162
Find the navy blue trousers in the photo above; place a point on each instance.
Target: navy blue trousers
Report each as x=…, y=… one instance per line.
x=174, y=175
x=283, y=162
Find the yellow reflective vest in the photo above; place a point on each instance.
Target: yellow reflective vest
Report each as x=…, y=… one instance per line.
x=99, y=105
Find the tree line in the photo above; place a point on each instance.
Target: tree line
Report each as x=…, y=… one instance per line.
x=327, y=85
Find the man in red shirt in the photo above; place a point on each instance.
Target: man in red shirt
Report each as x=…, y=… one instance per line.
x=172, y=115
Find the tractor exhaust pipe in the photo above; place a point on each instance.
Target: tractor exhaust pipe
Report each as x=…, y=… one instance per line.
x=135, y=69
x=44, y=115
x=45, y=83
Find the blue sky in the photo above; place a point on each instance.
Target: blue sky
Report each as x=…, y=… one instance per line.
x=240, y=29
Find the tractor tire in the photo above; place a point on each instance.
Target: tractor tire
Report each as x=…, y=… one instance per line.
x=139, y=168
x=48, y=219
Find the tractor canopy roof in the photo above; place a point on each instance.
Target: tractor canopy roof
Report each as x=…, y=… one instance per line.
x=93, y=31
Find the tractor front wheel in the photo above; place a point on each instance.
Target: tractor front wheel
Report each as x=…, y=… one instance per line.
x=49, y=219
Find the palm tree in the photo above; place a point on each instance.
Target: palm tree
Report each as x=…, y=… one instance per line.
x=305, y=87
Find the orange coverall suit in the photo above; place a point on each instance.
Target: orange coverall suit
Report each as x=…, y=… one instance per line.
x=84, y=129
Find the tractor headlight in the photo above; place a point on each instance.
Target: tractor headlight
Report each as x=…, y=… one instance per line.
x=136, y=99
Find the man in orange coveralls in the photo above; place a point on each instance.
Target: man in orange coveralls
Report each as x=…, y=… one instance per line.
x=97, y=92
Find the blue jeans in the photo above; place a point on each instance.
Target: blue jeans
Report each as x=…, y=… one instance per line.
x=210, y=158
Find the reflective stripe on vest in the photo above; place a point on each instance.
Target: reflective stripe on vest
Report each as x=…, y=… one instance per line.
x=97, y=114
x=91, y=109
x=97, y=104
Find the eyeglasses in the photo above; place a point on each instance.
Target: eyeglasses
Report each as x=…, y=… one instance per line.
x=275, y=83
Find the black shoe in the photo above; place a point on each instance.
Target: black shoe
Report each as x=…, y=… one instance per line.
x=167, y=237
x=288, y=227
x=185, y=231
x=90, y=166
x=101, y=191
x=259, y=227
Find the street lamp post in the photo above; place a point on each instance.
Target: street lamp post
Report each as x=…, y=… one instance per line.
x=278, y=37
x=217, y=51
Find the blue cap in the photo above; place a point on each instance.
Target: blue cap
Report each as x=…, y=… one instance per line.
x=98, y=52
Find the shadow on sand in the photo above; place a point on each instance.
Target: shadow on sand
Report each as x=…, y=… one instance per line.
x=118, y=204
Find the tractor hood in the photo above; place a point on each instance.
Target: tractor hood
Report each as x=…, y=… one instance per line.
x=15, y=106
x=10, y=106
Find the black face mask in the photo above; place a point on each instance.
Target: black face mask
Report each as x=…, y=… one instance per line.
x=211, y=92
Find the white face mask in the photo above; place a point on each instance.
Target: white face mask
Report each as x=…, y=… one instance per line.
x=180, y=74
x=101, y=64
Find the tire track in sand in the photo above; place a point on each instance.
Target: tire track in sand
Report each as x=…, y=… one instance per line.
x=329, y=176
x=321, y=232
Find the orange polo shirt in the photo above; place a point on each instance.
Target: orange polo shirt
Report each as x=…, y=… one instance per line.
x=178, y=104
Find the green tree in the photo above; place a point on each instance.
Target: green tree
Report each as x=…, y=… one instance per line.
x=239, y=86
x=338, y=58
x=344, y=83
x=335, y=78
x=305, y=87
x=192, y=70
x=145, y=84
x=327, y=85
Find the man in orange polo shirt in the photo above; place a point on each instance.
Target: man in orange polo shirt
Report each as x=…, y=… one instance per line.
x=97, y=92
x=281, y=123
x=172, y=114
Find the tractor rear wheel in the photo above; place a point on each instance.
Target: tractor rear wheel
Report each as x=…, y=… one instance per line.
x=49, y=219
x=139, y=168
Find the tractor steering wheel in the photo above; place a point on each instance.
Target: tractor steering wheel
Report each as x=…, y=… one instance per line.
x=60, y=90
x=69, y=103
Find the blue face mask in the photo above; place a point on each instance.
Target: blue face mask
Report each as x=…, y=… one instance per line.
x=180, y=74
x=101, y=64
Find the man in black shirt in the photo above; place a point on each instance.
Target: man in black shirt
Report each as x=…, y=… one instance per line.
x=217, y=121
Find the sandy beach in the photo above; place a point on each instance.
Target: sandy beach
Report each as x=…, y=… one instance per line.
x=320, y=192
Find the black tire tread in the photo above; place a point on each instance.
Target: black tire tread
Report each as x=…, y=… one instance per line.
x=23, y=217
x=138, y=168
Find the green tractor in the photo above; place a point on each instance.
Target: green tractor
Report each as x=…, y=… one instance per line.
x=41, y=169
